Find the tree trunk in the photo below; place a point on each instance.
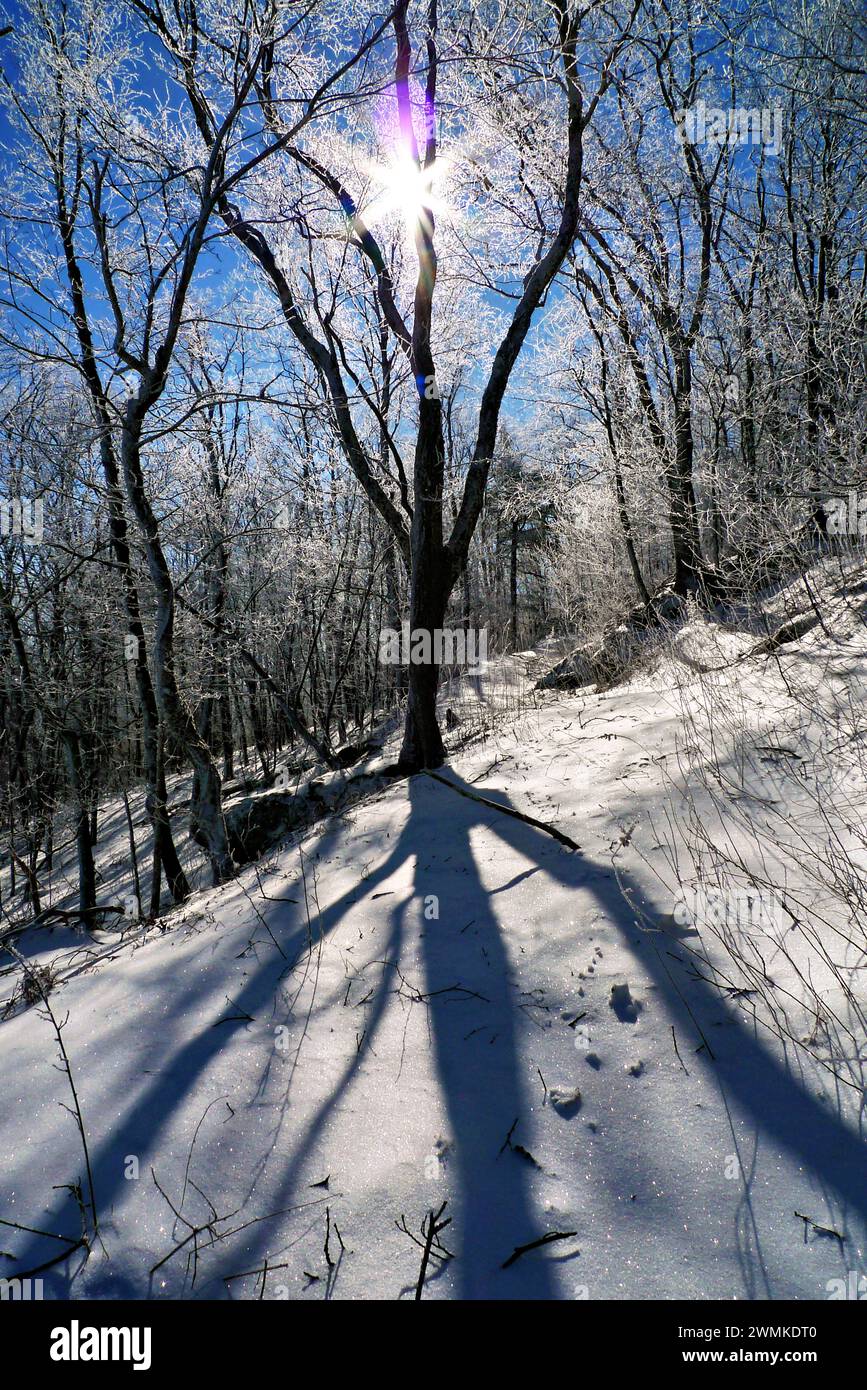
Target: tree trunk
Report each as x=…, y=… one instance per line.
x=86, y=869
x=164, y=848
x=626, y=527
x=513, y=583
x=422, y=742
x=688, y=566
x=430, y=583
x=133, y=856
x=208, y=818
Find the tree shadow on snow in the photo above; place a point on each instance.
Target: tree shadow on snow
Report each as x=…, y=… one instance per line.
x=483, y=1080
x=472, y=999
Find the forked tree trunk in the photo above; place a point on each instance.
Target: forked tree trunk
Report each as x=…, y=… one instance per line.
x=208, y=811
x=165, y=853
x=434, y=566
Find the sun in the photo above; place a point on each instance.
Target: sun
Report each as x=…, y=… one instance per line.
x=408, y=189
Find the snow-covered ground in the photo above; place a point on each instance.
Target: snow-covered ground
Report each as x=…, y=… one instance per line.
x=426, y=1001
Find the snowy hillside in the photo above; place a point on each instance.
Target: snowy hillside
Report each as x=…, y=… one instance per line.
x=424, y=1005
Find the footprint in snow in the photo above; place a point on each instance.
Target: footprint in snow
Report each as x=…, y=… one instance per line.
x=621, y=1001
x=565, y=1101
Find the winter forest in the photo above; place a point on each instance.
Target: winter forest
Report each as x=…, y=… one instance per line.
x=433, y=504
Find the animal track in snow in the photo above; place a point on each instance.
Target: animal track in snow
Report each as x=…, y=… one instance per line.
x=621, y=1001
x=566, y=1102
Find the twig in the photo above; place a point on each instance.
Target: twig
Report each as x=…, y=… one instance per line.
x=242, y=1017
x=248, y=1273
x=430, y=1243
x=80, y=1244
x=674, y=1040
x=328, y=1259
x=520, y=1250
x=820, y=1230
x=35, y=1231
x=67, y=1067
x=507, y=1142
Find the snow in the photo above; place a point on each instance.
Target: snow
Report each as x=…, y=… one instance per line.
x=422, y=1000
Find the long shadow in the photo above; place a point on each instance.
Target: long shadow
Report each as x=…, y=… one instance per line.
x=483, y=1087
x=480, y=1075
x=142, y=1122
x=495, y=1207
x=482, y=1084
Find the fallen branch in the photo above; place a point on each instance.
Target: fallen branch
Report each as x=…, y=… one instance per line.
x=64, y=915
x=789, y=631
x=520, y=1250
x=505, y=810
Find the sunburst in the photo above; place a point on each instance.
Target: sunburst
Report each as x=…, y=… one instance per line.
x=406, y=188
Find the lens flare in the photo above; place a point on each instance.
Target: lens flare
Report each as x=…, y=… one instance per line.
x=407, y=189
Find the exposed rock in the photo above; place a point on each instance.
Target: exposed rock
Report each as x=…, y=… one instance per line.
x=256, y=822
x=606, y=662
x=354, y=752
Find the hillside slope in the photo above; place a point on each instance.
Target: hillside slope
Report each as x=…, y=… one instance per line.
x=425, y=1001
